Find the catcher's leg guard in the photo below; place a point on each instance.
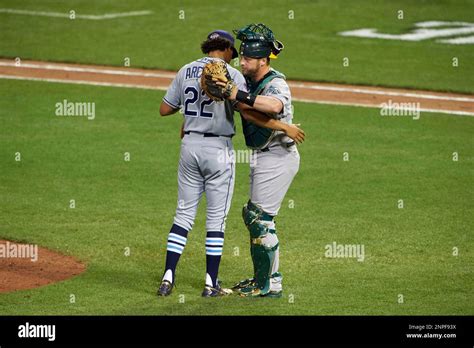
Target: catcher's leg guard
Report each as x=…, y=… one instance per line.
x=263, y=244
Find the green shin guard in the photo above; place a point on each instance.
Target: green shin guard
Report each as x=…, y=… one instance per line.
x=263, y=259
x=263, y=243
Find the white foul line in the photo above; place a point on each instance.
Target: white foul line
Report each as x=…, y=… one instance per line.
x=83, y=82
x=395, y=94
x=89, y=70
x=441, y=111
x=76, y=16
x=291, y=84
x=124, y=85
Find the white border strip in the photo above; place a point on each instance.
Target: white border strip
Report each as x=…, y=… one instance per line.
x=76, y=16
x=123, y=85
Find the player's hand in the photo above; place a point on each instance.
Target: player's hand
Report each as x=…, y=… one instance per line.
x=233, y=94
x=295, y=133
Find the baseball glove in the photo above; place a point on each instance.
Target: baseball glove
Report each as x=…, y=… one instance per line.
x=213, y=72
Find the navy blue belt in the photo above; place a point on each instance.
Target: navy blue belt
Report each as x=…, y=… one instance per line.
x=287, y=145
x=208, y=135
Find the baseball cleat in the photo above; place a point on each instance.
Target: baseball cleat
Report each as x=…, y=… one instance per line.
x=244, y=291
x=251, y=291
x=218, y=291
x=244, y=284
x=254, y=292
x=165, y=288
x=274, y=294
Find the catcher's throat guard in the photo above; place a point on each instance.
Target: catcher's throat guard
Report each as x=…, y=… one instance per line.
x=263, y=244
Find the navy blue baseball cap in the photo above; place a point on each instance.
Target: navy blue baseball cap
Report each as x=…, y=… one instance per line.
x=224, y=35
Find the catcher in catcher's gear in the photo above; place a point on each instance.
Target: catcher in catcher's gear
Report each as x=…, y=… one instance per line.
x=277, y=158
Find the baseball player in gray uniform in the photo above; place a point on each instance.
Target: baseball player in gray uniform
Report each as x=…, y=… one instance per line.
x=277, y=159
x=206, y=162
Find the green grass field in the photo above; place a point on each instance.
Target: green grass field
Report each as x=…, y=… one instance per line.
x=308, y=29
x=131, y=204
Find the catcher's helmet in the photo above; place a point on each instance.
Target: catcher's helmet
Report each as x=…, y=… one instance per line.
x=260, y=49
x=255, y=49
x=258, y=41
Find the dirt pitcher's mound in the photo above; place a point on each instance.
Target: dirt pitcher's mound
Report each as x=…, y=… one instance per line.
x=27, y=266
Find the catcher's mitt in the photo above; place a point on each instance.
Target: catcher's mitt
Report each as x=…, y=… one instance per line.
x=216, y=71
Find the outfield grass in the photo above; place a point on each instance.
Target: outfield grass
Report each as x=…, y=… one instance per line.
x=313, y=51
x=131, y=204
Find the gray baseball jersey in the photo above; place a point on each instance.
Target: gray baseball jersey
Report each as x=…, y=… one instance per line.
x=278, y=88
x=202, y=114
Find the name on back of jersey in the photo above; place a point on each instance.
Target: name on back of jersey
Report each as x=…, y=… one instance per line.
x=193, y=72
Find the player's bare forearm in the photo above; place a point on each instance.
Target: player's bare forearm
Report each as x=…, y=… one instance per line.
x=166, y=110
x=268, y=105
x=262, y=120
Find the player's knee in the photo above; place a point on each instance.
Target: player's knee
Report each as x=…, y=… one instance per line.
x=215, y=225
x=184, y=221
x=257, y=221
x=269, y=241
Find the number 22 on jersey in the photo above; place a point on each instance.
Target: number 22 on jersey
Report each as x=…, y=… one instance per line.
x=190, y=107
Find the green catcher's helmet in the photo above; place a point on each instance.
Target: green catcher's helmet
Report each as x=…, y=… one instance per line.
x=258, y=41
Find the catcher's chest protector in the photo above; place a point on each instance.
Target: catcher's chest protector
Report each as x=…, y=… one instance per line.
x=258, y=137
